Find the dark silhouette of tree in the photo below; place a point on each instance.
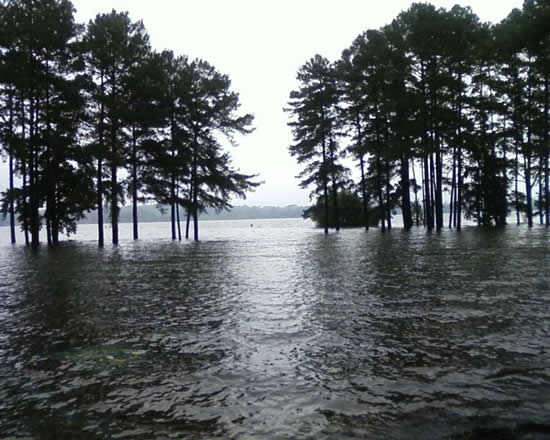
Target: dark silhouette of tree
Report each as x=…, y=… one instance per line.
x=115, y=47
x=468, y=100
x=209, y=112
x=315, y=124
x=39, y=49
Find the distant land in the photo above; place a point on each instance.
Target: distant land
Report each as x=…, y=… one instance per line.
x=150, y=213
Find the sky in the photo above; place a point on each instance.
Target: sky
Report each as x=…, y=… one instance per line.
x=260, y=45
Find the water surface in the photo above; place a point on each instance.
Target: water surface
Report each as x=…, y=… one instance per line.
x=273, y=330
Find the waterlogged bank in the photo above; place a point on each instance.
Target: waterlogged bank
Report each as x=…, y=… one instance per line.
x=277, y=331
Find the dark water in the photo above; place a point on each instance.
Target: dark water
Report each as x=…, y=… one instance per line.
x=277, y=331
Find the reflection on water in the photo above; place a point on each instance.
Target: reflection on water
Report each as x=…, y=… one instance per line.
x=277, y=331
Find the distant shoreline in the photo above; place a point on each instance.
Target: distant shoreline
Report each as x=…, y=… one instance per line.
x=151, y=214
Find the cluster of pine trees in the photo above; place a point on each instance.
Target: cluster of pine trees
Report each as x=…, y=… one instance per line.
x=435, y=102
x=90, y=115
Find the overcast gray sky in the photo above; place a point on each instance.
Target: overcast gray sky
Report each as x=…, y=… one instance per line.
x=261, y=45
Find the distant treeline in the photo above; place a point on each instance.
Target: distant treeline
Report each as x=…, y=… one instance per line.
x=91, y=116
x=152, y=213
x=435, y=102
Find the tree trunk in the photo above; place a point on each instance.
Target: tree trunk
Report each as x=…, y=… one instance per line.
x=178, y=221
x=11, y=169
x=362, y=167
x=195, y=184
x=24, y=175
x=405, y=193
x=134, y=185
x=187, y=224
x=101, y=152
x=516, y=186
x=428, y=214
x=114, y=203
x=364, y=193
x=173, y=205
x=416, y=204
x=33, y=178
x=100, y=233
x=325, y=184
x=438, y=185
x=382, y=205
x=453, y=190
x=528, y=189
x=458, y=214
x=546, y=151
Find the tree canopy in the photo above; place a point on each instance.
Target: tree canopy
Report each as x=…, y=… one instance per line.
x=438, y=109
x=91, y=116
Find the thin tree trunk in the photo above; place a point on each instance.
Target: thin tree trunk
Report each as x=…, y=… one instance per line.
x=453, y=190
x=364, y=193
x=48, y=229
x=11, y=169
x=134, y=185
x=33, y=176
x=114, y=202
x=427, y=195
x=178, y=220
x=416, y=204
x=439, y=185
x=173, y=205
x=114, y=166
x=325, y=184
x=362, y=167
x=405, y=193
x=546, y=151
x=24, y=205
x=100, y=220
x=528, y=189
x=516, y=186
x=541, y=190
x=178, y=216
x=195, y=184
x=188, y=223
x=100, y=232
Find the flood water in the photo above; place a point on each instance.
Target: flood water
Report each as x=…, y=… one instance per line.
x=275, y=331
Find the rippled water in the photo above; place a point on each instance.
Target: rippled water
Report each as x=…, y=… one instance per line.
x=277, y=331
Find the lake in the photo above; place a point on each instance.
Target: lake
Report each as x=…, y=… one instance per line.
x=268, y=329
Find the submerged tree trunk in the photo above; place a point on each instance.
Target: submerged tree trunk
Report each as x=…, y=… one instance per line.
x=178, y=219
x=11, y=169
x=325, y=185
x=458, y=215
x=405, y=193
x=416, y=203
x=173, y=205
x=195, y=185
x=134, y=186
x=438, y=185
x=362, y=167
x=100, y=220
x=364, y=193
x=24, y=176
x=428, y=214
x=335, y=201
x=33, y=177
x=187, y=224
x=528, y=189
x=114, y=203
x=100, y=232
x=546, y=147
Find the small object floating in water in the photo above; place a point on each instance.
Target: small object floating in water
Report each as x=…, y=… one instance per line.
x=251, y=225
